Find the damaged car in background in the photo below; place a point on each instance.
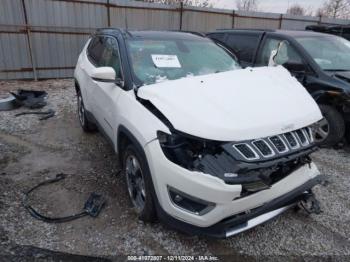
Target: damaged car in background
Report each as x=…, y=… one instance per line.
x=206, y=146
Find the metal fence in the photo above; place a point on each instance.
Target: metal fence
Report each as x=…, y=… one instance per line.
x=42, y=38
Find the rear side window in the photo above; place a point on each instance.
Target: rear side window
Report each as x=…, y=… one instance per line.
x=95, y=49
x=243, y=45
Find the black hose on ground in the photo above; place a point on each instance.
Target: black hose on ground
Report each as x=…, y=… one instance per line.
x=92, y=207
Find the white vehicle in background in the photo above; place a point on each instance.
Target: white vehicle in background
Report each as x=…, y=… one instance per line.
x=207, y=147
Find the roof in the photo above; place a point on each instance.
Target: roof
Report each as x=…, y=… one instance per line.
x=292, y=33
x=153, y=34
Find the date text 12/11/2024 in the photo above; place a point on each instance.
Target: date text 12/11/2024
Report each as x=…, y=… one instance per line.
x=173, y=258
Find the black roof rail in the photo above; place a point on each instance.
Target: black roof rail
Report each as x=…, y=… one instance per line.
x=245, y=29
x=190, y=32
x=106, y=29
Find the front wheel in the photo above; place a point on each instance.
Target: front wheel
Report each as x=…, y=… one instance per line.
x=139, y=183
x=329, y=131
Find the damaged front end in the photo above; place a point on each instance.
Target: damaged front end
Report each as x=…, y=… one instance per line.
x=254, y=164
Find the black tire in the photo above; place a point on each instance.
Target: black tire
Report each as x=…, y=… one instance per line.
x=147, y=212
x=85, y=123
x=336, y=125
x=347, y=133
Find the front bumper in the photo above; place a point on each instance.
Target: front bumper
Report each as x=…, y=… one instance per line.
x=229, y=206
x=241, y=222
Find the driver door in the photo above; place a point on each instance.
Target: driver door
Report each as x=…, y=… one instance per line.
x=106, y=94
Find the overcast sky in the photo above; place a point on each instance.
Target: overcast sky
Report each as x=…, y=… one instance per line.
x=274, y=6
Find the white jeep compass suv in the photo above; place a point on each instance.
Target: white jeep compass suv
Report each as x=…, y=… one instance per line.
x=206, y=146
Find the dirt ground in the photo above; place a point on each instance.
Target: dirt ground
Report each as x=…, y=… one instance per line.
x=32, y=151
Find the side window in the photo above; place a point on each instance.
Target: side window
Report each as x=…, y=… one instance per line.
x=287, y=54
x=110, y=56
x=244, y=46
x=95, y=50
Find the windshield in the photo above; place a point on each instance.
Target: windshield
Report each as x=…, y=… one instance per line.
x=331, y=53
x=159, y=60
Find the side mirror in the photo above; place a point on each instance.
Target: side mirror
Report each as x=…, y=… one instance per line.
x=104, y=74
x=295, y=67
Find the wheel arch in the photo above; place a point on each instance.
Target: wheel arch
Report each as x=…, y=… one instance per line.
x=124, y=137
x=76, y=85
x=325, y=97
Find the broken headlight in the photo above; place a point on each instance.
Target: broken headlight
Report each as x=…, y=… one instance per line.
x=184, y=150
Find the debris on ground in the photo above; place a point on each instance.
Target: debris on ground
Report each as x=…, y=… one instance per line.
x=32, y=99
x=47, y=114
x=92, y=206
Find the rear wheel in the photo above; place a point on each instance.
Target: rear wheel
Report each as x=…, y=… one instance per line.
x=329, y=131
x=87, y=125
x=139, y=183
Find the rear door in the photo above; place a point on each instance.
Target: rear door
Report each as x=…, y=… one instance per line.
x=244, y=45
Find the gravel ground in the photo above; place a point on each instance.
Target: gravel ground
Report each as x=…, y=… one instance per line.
x=33, y=150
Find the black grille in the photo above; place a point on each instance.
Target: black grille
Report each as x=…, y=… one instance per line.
x=291, y=140
x=308, y=133
x=301, y=136
x=278, y=143
x=246, y=151
x=263, y=148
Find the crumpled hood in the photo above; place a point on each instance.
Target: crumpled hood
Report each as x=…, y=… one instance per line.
x=235, y=105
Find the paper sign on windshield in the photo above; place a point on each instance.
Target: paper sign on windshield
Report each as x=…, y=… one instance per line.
x=170, y=61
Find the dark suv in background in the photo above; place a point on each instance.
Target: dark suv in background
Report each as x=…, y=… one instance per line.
x=339, y=30
x=321, y=62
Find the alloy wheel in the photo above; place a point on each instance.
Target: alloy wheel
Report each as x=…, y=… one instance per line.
x=81, y=110
x=321, y=131
x=135, y=182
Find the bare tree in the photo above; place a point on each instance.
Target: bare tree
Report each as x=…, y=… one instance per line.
x=335, y=9
x=296, y=9
x=247, y=5
x=199, y=3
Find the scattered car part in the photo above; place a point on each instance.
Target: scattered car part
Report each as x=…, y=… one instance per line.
x=92, y=206
x=9, y=103
x=310, y=204
x=47, y=114
x=31, y=98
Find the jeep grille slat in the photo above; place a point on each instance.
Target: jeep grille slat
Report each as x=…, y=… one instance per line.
x=246, y=151
x=279, y=144
x=302, y=137
x=291, y=139
x=263, y=148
